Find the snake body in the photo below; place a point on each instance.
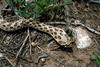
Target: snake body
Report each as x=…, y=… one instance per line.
x=57, y=33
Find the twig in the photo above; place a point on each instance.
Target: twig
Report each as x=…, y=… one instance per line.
x=22, y=46
x=3, y=39
x=9, y=61
x=53, y=6
x=40, y=48
x=98, y=46
x=29, y=41
x=77, y=22
x=6, y=10
x=62, y=23
x=20, y=57
x=15, y=55
x=51, y=56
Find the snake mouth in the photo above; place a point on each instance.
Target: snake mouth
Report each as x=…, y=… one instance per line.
x=64, y=43
x=66, y=49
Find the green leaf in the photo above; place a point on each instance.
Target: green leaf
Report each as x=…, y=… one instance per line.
x=97, y=61
x=67, y=2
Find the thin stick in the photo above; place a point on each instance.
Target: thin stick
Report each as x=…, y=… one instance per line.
x=29, y=41
x=9, y=61
x=40, y=48
x=51, y=56
x=22, y=46
x=62, y=23
x=77, y=22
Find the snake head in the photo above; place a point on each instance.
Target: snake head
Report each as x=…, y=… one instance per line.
x=61, y=36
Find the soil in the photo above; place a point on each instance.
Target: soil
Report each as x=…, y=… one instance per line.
x=44, y=51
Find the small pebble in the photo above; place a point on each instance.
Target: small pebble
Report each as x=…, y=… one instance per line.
x=43, y=59
x=1, y=55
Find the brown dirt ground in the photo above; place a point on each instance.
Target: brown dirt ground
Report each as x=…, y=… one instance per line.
x=45, y=52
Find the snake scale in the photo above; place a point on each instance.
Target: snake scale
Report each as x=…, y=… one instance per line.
x=58, y=34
